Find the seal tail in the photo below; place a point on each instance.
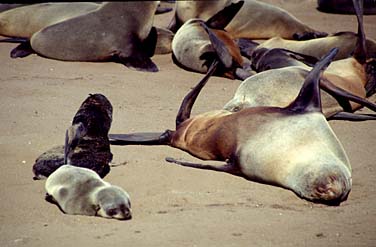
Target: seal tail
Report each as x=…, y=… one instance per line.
x=309, y=98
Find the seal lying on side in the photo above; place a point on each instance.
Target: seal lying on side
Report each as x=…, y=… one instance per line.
x=194, y=49
x=247, y=24
x=283, y=73
x=86, y=141
x=292, y=147
x=80, y=191
x=121, y=34
x=24, y=21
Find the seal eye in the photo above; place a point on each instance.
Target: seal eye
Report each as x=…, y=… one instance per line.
x=111, y=211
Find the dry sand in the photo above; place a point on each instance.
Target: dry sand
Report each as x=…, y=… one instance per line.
x=172, y=205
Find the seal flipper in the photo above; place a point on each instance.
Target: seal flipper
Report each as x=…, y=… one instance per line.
x=22, y=50
x=72, y=136
x=147, y=138
x=186, y=106
x=222, y=18
x=141, y=53
x=348, y=116
x=14, y=40
x=309, y=99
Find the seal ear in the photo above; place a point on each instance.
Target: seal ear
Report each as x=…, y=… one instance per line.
x=221, y=19
x=309, y=98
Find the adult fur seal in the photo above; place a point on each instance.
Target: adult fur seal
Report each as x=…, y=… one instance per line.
x=197, y=44
x=116, y=31
x=80, y=191
x=283, y=72
x=292, y=147
x=247, y=24
x=86, y=141
x=24, y=21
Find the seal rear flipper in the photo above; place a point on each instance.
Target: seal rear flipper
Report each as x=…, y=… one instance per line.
x=222, y=18
x=349, y=116
x=186, y=106
x=344, y=97
x=309, y=97
x=309, y=35
x=145, y=138
x=22, y=50
x=14, y=40
x=139, y=62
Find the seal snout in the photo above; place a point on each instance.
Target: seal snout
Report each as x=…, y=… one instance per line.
x=331, y=189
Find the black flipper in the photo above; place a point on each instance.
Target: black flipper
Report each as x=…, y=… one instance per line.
x=186, y=106
x=309, y=98
x=226, y=167
x=348, y=116
x=147, y=138
x=360, y=52
x=343, y=97
x=141, y=53
x=246, y=46
x=309, y=35
x=220, y=48
x=22, y=50
x=14, y=40
x=222, y=18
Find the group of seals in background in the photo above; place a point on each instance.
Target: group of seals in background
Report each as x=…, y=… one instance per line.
x=212, y=37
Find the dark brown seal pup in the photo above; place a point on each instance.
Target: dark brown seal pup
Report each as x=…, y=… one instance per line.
x=86, y=142
x=292, y=147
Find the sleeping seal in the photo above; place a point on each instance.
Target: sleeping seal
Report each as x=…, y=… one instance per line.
x=256, y=20
x=80, y=191
x=116, y=31
x=282, y=73
x=86, y=141
x=197, y=43
x=292, y=147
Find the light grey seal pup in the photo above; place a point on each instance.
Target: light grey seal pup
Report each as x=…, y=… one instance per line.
x=80, y=191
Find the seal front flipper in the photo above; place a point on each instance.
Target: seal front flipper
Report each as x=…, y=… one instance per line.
x=147, y=138
x=222, y=18
x=348, y=116
x=139, y=58
x=22, y=50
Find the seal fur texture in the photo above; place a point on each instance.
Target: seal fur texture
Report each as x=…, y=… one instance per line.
x=80, y=191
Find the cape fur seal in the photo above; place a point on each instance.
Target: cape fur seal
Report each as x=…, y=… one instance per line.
x=86, y=141
x=197, y=44
x=247, y=24
x=116, y=31
x=80, y=191
x=283, y=72
x=292, y=147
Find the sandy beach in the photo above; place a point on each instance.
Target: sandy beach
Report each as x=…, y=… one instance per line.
x=172, y=205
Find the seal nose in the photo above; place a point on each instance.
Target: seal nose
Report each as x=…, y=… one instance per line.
x=331, y=189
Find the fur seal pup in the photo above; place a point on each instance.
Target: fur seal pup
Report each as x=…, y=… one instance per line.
x=283, y=72
x=86, y=141
x=292, y=147
x=116, y=31
x=247, y=24
x=80, y=191
x=197, y=44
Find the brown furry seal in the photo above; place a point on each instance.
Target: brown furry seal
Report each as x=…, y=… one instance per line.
x=292, y=147
x=86, y=143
